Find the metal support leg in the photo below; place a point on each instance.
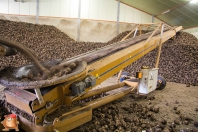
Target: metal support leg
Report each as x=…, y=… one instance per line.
x=37, y=11
x=158, y=54
x=138, y=76
x=153, y=18
x=119, y=75
x=138, y=86
x=39, y=95
x=160, y=47
x=118, y=17
x=78, y=26
x=135, y=32
x=140, y=28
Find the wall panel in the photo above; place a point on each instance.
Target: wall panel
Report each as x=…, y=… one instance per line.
x=196, y=29
x=85, y=9
x=55, y=8
x=112, y=10
x=195, y=34
x=73, y=8
x=14, y=7
x=122, y=12
x=44, y=9
x=93, y=9
x=4, y=6
x=64, y=8
x=25, y=8
x=193, y=31
x=137, y=16
x=90, y=9
x=32, y=7
x=129, y=16
x=146, y=18
x=103, y=10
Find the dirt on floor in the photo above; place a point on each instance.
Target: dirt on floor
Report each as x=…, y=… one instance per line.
x=177, y=105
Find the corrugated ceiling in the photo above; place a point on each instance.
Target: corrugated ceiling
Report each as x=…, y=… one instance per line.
x=179, y=12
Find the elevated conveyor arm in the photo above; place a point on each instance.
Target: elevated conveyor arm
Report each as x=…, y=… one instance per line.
x=93, y=68
x=110, y=65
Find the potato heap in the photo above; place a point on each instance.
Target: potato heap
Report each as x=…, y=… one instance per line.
x=178, y=61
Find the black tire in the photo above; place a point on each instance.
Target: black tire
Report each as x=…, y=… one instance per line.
x=161, y=83
x=126, y=73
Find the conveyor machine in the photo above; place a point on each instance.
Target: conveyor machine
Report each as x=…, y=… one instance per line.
x=45, y=96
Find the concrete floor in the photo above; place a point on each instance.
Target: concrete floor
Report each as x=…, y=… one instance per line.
x=173, y=95
x=185, y=98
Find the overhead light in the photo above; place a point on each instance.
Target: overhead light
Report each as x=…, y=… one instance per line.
x=165, y=12
x=193, y=1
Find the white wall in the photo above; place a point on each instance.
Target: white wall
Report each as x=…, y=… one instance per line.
x=193, y=31
x=90, y=9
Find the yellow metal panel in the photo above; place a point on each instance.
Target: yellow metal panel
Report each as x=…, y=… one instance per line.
x=73, y=119
x=46, y=97
x=24, y=106
x=58, y=92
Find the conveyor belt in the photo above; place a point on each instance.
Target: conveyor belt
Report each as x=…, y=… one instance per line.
x=100, y=64
x=95, y=59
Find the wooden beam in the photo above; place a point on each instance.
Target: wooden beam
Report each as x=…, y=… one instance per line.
x=153, y=33
x=159, y=47
x=130, y=33
x=120, y=72
x=140, y=28
x=158, y=53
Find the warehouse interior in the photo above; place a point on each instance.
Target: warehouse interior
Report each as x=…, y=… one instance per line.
x=99, y=65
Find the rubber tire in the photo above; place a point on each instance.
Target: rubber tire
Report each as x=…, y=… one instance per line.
x=163, y=84
x=126, y=73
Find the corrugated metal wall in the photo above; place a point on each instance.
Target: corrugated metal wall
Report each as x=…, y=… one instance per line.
x=193, y=31
x=90, y=9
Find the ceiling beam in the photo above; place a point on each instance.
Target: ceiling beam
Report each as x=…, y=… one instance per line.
x=171, y=9
x=144, y=12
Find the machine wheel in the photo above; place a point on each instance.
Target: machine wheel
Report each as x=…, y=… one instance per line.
x=161, y=83
x=124, y=76
x=126, y=73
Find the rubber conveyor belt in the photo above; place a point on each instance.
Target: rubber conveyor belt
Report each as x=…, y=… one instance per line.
x=90, y=57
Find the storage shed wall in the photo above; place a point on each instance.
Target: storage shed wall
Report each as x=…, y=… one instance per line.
x=193, y=31
x=98, y=17
x=90, y=9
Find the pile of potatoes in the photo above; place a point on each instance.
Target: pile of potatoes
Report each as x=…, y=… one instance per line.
x=178, y=61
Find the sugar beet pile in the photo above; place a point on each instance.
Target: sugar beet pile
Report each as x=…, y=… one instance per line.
x=178, y=62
